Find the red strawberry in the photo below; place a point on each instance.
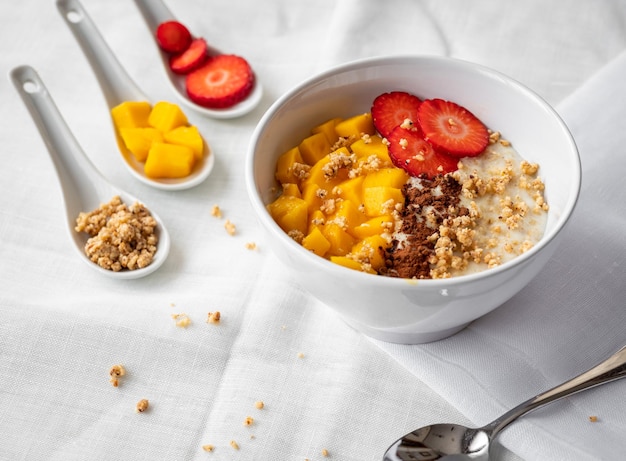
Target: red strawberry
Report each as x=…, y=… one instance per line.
x=190, y=59
x=409, y=151
x=390, y=110
x=173, y=37
x=223, y=81
x=452, y=128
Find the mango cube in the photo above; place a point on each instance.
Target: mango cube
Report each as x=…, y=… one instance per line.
x=316, y=219
x=356, y=126
x=381, y=200
x=131, y=114
x=316, y=242
x=285, y=171
x=347, y=215
x=350, y=264
x=290, y=213
x=352, y=189
x=374, y=226
x=292, y=190
x=314, y=147
x=187, y=136
x=169, y=161
x=340, y=241
x=372, y=250
x=312, y=196
x=328, y=128
x=166, y=116
x=391, y=177
x=139, y=140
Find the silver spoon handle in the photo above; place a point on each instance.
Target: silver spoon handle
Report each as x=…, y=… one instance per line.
x=115, y=83
x=609, y=370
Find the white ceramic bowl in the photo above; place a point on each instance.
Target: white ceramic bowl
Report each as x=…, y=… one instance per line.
x=401, y=310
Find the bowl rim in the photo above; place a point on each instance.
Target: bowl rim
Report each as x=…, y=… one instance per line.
x=325, y=264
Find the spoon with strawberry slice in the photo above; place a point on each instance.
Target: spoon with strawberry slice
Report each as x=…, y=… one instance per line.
x=206, y=80
x=118, y=87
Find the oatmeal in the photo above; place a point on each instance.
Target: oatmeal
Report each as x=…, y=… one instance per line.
x=122, y=237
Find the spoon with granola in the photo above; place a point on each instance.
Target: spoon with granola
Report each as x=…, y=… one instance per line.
x=114, y=233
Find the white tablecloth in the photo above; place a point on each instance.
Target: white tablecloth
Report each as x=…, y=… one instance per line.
x=325, y=386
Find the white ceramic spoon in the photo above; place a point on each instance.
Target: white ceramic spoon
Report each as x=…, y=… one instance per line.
x=154, y=13
x=118, y=87
x=83, y=187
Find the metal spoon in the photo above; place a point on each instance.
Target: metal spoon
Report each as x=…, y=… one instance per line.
x=453, y=441
x=155, y=12
x=118, y=87
x=83, y=187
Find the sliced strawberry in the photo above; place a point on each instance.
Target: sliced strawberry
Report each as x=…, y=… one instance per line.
x=390, y=110
x=173, y=37
x=452, y=128
x=409, y=151
x=223, y=81
x=190, y=59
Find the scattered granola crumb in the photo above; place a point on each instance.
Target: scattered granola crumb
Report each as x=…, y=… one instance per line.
x=182, y=320
x=593, y=419
x=252, y=436
x=259, y=404
x=251, y=246
x=324, y=452
x=283, y=327
x=248, y=421
x=208, y=447
x=213, y=317
x=115, y=372
x=216, y=211
x=142, y=405
x=300, y=355
x=234, y=444
x=230, y=227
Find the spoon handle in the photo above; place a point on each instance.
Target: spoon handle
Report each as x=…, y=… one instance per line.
x=610, y=369
x=115, y=83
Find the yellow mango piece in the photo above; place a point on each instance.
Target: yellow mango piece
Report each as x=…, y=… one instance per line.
x=347, y=215
x=139, y=140
x=372, y=146
x=391, y=177
x=313, y=148
x=311, y=195
x=381, y=200
x=292, y=190
x=316, y=242
x=187, y=136
x=165, y=116
x=374, y=226
x=356, y=126
x=372, y=250
x=131, y=114
x=352, y=189
x=340, y=241
x=318, y=173
x=285, y=172
x=350, y=264
x=169, y=161
x=290, y=213
x=328, y=128
x=316, y=219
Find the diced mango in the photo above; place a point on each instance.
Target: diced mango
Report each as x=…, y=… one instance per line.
x=131, y=114
x=169, y=161
x=391, y=177
x=340, y=241
x=292, y=190
x=374, y=226
x=314, y=147
x=187, y=136
x=372, y=250
x=352, y=189
x=356, y=126
x=328, y=128
x=285, y=172
x=166, y=116
x=316, y=242
x=347, y=215
x=139, y=140
x=311, y=195
x=318, y=173
x=372, y=146
x=350, y=264
x=290, y=213
x=381, y=200
x=316, y=219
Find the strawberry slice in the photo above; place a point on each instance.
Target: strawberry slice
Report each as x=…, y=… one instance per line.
x=411, y=152
x=223, y=81
x=390, y=110
x=173, y=37
x=452, y=128
x=190, y=59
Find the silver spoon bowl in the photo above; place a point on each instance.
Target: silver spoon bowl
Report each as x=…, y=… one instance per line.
x=83, y=186
x=118, y=87
x=155, y=12
x=453, y=441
